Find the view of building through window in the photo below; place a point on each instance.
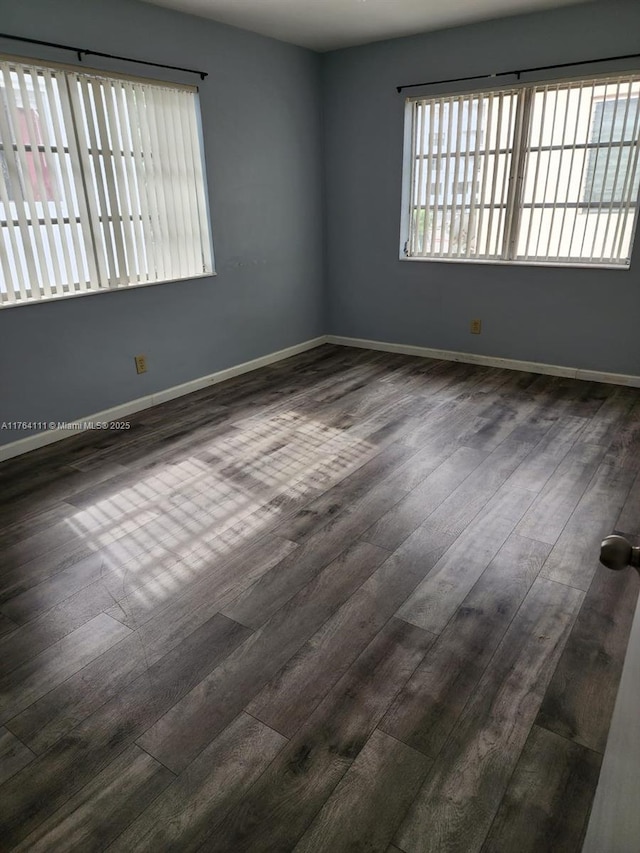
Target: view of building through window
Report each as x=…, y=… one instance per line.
x=544, y=173
x=610, y=121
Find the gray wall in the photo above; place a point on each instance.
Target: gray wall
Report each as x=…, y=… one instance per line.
x=262, y=128
x=573, y=317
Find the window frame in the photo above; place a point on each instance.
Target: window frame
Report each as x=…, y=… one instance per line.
x=80, y=188
x=436, y=91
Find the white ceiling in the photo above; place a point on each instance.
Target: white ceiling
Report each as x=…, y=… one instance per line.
x=329, y=24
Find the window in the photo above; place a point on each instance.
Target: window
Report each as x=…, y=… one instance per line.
x=101, y=183
x=536, y=174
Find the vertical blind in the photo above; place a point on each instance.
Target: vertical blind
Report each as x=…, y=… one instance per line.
x=545, y=173
x=101, y=183
x=462, y=150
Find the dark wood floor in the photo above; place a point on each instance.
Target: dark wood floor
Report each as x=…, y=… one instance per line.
x=351, y=602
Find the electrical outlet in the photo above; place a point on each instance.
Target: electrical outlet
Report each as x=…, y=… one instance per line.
x=476, y=327
x=141, y=363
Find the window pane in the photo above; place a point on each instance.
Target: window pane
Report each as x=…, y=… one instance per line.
x=462, y=149
x=581, y=182
x=36, y=203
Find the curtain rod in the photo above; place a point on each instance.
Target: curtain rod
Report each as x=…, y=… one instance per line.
x=80, y=52
x=516, y=73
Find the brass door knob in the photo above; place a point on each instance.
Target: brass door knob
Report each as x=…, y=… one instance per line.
x=617, y=553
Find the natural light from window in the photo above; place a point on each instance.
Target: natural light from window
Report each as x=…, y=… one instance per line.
x=101, y=183
x=534, y=174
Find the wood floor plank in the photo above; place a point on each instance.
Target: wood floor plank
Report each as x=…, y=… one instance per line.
x=439, y=375
x=127, y=486
x=34, y=793
x=398, y=414
x=29, y=547
x=316, y=515
x=357, y=436
x=59, y=711
x=192, y=589
x=628, y=522
x=14, y=755
x=372, y=398
x=354, y=378
x=605, y=424
x=579, y=701
x=20, y=529
x=466, y=398
x=307, y=467
x=448, y=421
x=456, y=806
x=27, y=641
x=574, y=558
x=460, y=381
x=16, y=517
x=7, y=626
x=423, y=462
x=457, y=511
x=393, y=423
x=262, y=599
x=546, y=806
x=52, y=484
x=585, y=398
x=182, y=816
x=68, y=568
x=40, y=598
x=15, y=580
x=436, y=599
x=285, y=799
x=432, y=701
x=28, y=682
x=548, y=514
x=161, y=430
x=153, y=443
x=499, y=420
x=187, y=728
x=626, y=441
x=536, y=468
x=290, y=697
x=94, y=816
x=304, y=409
x=410, y=373
x=367, y=806
x=414, y=509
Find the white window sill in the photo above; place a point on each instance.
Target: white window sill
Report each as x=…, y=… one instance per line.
x=501, y=262
x=117, y=289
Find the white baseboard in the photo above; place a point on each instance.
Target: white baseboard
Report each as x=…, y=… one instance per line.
x=40, y=439
x=490, y=361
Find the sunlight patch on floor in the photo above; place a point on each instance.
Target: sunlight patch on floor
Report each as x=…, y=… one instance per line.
x=169, y=527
